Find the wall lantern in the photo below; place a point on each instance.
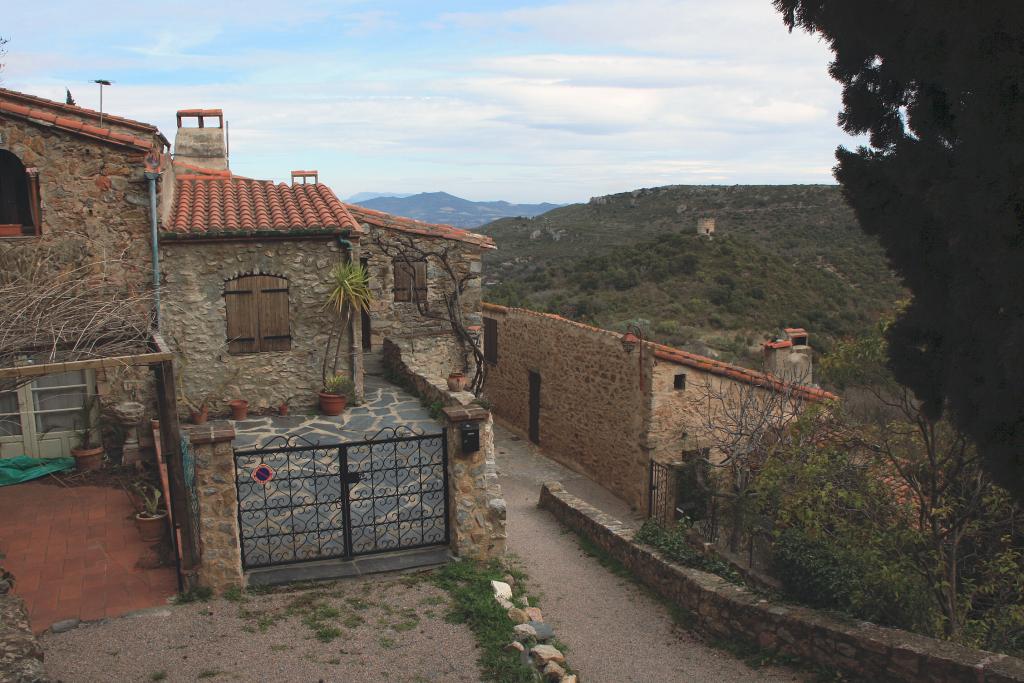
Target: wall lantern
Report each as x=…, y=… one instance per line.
x=633, y=338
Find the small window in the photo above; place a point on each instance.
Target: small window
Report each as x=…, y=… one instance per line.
x=410, y=280
x=19, y=197
x=491, y=340
x=679, y=382
x=257, y=314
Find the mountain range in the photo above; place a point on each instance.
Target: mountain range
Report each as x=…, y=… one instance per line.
x=441, y=207
x=780, y=256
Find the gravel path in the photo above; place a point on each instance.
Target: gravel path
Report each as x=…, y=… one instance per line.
x=385, y=628
x=616, y=632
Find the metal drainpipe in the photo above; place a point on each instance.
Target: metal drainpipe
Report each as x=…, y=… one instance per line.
x=151, y=177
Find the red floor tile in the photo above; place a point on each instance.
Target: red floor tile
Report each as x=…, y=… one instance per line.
x=73, y=553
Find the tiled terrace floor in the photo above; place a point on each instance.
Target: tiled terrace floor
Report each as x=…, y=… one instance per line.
x=386, y=406
x=73, y=552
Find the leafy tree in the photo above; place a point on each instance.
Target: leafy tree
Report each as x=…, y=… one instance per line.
x=939, y=89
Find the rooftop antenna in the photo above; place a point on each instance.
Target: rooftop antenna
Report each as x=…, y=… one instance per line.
x=102, y=82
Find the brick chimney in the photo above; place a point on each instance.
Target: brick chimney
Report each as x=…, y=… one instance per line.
x=200, y=138
x=305, y=177
x=789, y=357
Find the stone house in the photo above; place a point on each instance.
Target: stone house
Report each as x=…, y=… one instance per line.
x=72, y=175
x=246, y=267
x=598, y=403
x=73, y=179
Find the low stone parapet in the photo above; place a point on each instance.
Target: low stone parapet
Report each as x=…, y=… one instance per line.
x=861, y=649
x=21, y=656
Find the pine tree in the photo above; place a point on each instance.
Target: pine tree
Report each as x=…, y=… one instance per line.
x=938, y=87
x=69, y=99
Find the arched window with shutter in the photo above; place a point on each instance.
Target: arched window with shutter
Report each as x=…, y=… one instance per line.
x=257, y=314
x=19, y=197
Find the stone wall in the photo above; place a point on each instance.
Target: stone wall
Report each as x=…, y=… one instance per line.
x=221, y=566
x=95, y=204
x=427, y=338
x=677, y=415
x=594, y=403
x=195, y=324
x=859, y=649
x=21, y=656
x=476, y=506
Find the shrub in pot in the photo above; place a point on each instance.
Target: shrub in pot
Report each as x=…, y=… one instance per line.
x=150, y=520
x=89, y=452
x=337, y=392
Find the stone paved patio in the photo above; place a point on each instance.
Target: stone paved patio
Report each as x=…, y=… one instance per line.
x=386, y=405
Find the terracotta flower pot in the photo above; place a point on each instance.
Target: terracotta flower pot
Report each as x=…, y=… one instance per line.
x=332, y=404
x=282, y=409
x=456, y=381
x=239, y=409
x=151, y=529
x=199, y=418
x=88, y=459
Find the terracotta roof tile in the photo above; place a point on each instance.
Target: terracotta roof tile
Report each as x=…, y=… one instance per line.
x=415, y=227
x=218, y=206
x=73, y=126
x=64, y=115
x=680, y=357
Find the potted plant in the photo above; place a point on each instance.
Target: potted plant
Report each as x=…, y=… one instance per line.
x=337, y=392
x=150, y=519
x=89, y=452
x=350, y=294
x=456, y=381
x=239, y=409
x=282, y=407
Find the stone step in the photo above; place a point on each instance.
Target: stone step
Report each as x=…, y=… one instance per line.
x=373, y=363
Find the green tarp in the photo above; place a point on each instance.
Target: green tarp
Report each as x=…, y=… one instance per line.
x=24, y=468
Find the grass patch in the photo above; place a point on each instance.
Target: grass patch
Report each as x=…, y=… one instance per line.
x=603, y=558
x=386, y=642
x=673, y=543
x=195, y=594
x=234, y=594
x=209, y=673
x=158, y=676
x=469, y=586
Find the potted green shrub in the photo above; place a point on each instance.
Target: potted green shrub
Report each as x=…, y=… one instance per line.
x=89, y=452
x=337, y=392
x=150, y=519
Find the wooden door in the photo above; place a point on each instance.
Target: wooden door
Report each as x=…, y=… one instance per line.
x=365, y=316
x=535, y=407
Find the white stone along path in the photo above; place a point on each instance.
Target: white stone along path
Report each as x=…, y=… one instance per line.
x=616, y=631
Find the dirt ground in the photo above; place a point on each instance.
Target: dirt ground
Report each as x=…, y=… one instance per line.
x=384, y=628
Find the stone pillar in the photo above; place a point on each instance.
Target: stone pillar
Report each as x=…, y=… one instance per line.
x=221, y=566
x=477, y=510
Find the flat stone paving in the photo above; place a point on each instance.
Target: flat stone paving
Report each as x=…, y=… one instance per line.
x=385, y=406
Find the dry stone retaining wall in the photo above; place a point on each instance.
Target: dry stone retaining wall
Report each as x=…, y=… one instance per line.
x=21, y=656
x=860, y=649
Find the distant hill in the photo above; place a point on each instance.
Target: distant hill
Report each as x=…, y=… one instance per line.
x=441, y=207
x=364, y=196
x=780, y=256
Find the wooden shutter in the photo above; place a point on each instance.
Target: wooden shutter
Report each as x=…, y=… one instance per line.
x=274, y=334
x=490, y=340
x=407, y=280
x=420, y=288
x=242, y=315
x=34, y=202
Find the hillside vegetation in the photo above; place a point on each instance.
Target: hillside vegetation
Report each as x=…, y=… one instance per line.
x=780, y=256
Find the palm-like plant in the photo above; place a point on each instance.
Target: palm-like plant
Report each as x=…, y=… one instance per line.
x=350, y=294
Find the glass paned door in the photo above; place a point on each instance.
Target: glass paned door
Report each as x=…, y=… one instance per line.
x=42, y=419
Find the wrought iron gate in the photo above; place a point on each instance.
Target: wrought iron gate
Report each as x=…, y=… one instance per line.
x=661, y=496
x=300, y=501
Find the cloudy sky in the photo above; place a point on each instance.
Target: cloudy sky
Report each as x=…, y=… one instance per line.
x=518, y=100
